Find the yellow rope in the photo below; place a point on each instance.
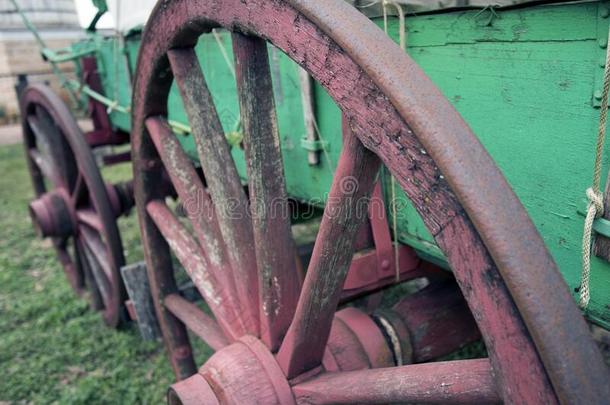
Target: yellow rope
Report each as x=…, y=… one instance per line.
x=594, y=195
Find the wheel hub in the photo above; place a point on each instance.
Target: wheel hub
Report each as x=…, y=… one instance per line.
x=52, y=214
x=244, y=372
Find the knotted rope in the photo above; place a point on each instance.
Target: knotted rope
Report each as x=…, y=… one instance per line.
x=595, y=207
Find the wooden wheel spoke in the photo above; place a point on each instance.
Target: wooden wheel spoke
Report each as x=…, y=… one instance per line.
x=46, y=166
x=90, y=218
x=42, y=143
x=224, y=183
x=67, y=260
x=49, y=155
x=196, y=320
x=196, y=265
x=462, y=381
x=346, y=209
x=275, y=258
x=78, y=189
x=199, y=209
x=97, y=261
x=82, y=261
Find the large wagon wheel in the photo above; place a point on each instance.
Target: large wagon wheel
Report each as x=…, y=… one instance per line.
x=73, y=206
x=538, y=344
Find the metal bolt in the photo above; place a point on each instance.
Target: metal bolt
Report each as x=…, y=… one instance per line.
x=604, y=13
x=602, y=62
x=385, y=264
x=603, y=43
x=597, y=94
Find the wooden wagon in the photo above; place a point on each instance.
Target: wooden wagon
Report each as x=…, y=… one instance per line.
x=251, y=119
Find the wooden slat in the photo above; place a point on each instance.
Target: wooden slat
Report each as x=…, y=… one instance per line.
x=97, y=261
x=137, y=285
x=224, y=183
x=196, y=320
x=452, y=382
x=200, y=210
x=194, y=262
x=47, y=151
x=78, y=189
x=278, y=280
x=46, y=167
x=345, y=211
x=89, y=217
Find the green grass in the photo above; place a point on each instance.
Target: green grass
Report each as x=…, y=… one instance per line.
x=53, y=348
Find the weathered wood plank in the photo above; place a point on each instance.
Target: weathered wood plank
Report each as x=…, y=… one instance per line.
x=278, y=280
x=194, y=261
x=226, y=190
x=202, y=214
x=303, y=347
x=196, y=320
x=138, y=289
x=455, y=382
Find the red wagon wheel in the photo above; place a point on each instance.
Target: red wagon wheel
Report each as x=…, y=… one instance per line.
x=73, y=205
x=538, y=343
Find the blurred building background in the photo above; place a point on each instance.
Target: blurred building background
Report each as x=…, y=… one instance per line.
x=57, y=22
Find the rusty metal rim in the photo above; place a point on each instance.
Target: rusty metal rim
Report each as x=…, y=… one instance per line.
x=38, y=94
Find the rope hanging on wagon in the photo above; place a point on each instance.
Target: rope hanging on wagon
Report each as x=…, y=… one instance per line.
x=595, y=207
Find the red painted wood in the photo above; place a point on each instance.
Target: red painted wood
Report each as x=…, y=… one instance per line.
x=370, y=337
x=345, y=348
x=224, y=185
x=364, y=275
x=272, y=371
x=194, y=390
x=384, y=247
x=242, y=374
x=455, y=382
x=437, y=321
x=196, y=320
x=278, y=280
x=345, y=211
x=194, y=261
x=99, y=263
x=202, y=214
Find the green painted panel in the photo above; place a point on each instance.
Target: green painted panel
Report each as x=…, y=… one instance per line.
x=112, y=64
x=525, y=85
